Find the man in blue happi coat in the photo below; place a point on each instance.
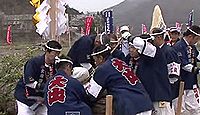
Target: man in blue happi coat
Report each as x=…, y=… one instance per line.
x=114, y=75
x=65, y=95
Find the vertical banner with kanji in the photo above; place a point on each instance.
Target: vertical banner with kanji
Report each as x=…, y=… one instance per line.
x=191, y=18
x=88, y=24
x=8, y=37
x=108, y=17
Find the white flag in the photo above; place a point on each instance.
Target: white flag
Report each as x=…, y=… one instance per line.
x=157, y=20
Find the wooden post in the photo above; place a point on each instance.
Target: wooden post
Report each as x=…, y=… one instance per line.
x=109, y=100
x=69, y=38
x=53, y=16
x=119, y=42
x=179, y=104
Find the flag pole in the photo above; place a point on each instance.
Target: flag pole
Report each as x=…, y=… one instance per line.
x=53, y=16
x=179, y=104
x=69, y=38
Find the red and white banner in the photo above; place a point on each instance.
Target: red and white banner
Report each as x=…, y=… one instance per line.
x=178, y=26
x=144, y=29
x=8, y=37
x=88, y=24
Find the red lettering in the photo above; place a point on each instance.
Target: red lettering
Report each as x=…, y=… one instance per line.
x=125, y=70
x=56, y=95
x=56, y=90
x=58, y=81
x=130, y=76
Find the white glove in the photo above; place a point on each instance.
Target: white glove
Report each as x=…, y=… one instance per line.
x=125, y=35
x=138, y=43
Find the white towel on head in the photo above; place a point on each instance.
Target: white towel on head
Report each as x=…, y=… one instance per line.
x=81, y=74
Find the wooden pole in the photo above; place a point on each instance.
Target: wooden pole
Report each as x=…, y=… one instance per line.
x=179, y=104
x=109, y=100
x=53, y=16
x=69, y=38
x=119, y=42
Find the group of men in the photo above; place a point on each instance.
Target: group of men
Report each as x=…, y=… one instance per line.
x=141, y=72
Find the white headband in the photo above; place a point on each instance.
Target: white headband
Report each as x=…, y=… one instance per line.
x=114, y=41
x=193, y=32
x=58, y=60
x=101, y=38
x=52, y=48
x=155, y=34
x=107, y=48
x=174, y=30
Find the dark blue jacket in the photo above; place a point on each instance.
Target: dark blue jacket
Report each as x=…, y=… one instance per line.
x=81, y=50
x=173, y=61
x=119, y=55
x=153, y=74
x=189, y=78
x=129, y=95
x=65, y=95
x=34, y=70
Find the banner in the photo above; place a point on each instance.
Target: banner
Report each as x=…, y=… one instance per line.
x=190, y=19
x=157, y=20
x=42, y=19
x=8, y=37
x=144, y=29
x=88, y=24
x=108, y=17
x=178, y=26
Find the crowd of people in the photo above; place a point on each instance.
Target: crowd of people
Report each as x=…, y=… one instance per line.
x=142, y=73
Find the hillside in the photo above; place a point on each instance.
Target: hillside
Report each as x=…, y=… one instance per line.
x=136, y=12
x=15, y=7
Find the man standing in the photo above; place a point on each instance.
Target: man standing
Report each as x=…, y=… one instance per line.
x=29, y=89
x=153, y=73
x=173, y=61
x=189, y=56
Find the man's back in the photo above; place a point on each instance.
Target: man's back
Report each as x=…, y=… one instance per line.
x=153, y=74
x=121, y=82
x=65, y=95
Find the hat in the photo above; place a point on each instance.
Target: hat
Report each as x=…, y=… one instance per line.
x=124, y=28
x=100, y=49
x=53, y=45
